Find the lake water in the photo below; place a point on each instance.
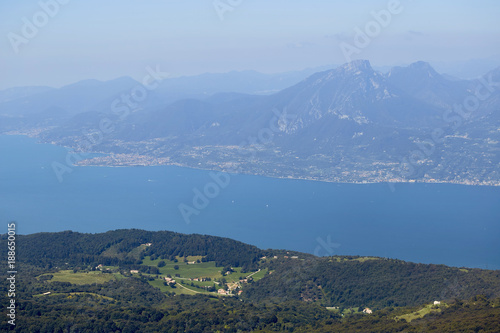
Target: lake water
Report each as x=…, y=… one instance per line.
x=432, y=223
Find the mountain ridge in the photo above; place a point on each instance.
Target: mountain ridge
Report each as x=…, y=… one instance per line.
x=348, y=124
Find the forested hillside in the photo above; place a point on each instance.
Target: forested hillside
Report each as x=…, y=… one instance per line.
x=142, y=281
x=115, y=247
x=374, y=282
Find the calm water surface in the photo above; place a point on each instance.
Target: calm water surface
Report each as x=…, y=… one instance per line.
x=431, y=223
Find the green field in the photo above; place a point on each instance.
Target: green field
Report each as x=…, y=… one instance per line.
x=158, y=283
x=188, y=272
x=180, y=260
x=186, y=289
x=198, y=270
x=259, y=275
x=360, y=259
x=70, y=295
x=421, y=313
x=81, y=277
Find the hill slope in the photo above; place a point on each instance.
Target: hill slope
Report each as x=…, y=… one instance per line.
x=57, y=289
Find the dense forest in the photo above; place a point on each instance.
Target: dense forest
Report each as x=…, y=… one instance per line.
x=373, y=282
x=115, y=247
x=202, y=314
x=298, y=293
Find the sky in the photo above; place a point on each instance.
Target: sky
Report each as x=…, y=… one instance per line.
x=58, y=42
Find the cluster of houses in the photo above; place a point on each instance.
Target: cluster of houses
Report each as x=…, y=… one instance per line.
x=286, y=257
x=102, y=268
x=227, y=292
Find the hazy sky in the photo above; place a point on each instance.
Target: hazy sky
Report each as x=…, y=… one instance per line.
x=110, y=38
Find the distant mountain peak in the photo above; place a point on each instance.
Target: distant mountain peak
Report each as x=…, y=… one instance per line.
x=417, y=68
x=422, y=66
x=357, y=66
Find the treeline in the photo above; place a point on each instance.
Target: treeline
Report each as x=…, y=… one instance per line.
x=115, y=248
x=375, y=283
x=224, y=251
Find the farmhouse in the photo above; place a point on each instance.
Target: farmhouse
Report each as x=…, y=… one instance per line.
x=169, y=281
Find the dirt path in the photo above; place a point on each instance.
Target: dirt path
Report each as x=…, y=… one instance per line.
x=194, y=291
x=253, y=274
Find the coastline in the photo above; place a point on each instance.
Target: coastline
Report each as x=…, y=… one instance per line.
x=113, y=160
x=167, y=162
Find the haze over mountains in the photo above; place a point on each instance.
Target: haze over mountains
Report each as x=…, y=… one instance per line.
x=350, y=123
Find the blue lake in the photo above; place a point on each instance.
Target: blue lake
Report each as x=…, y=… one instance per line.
x=431, y=223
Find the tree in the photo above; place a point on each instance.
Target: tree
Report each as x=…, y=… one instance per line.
x=176, y=267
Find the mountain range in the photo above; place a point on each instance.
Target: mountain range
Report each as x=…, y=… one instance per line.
x=347, y=124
